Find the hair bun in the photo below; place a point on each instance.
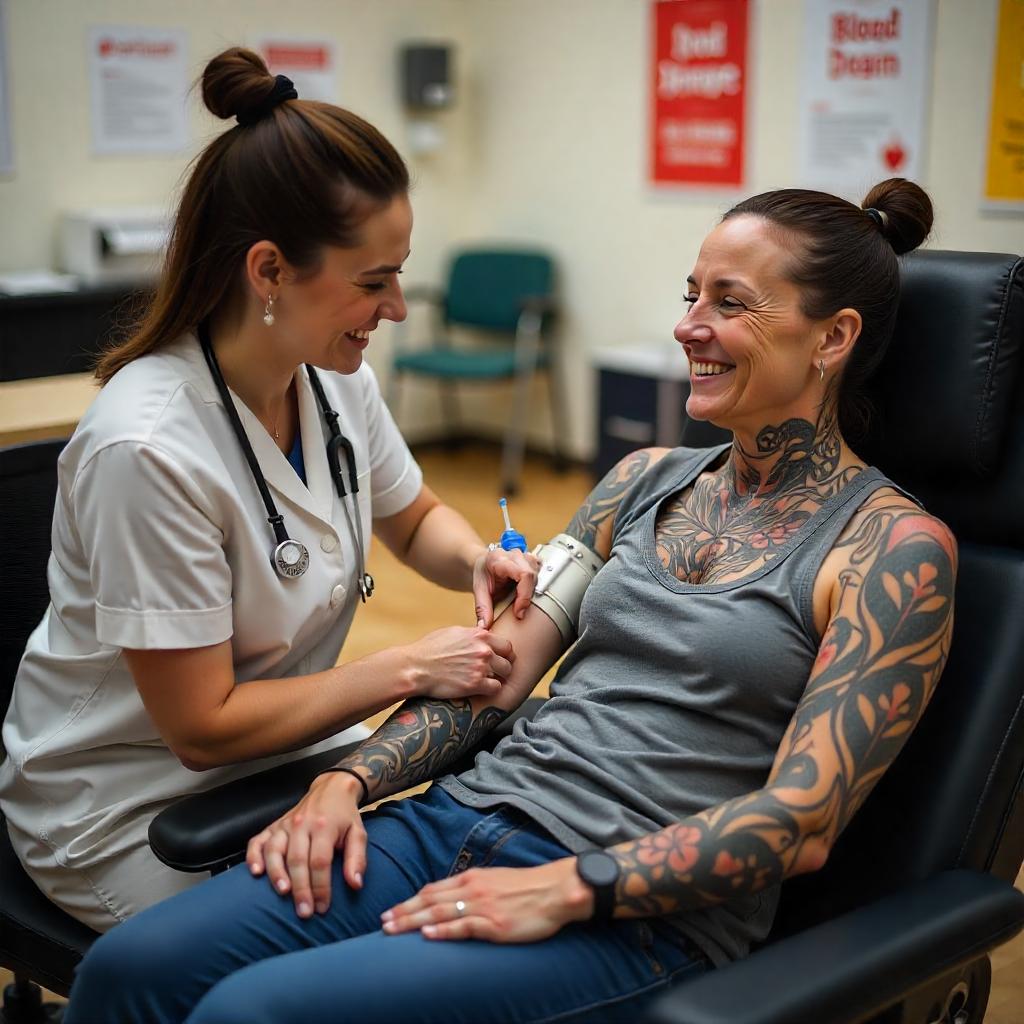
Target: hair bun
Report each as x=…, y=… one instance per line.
x=236, y=82
x=907, y=209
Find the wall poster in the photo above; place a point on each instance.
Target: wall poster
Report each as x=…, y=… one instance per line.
x=309, y=63
x=1004, y=176
x=864, y=96
x=698, y=92
x=139, y=86
x=6, y=129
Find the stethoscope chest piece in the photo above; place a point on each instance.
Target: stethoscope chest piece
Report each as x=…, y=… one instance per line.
x=290, y=559
x=366, y=586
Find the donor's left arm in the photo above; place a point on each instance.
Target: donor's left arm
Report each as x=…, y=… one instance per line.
x=878, y=663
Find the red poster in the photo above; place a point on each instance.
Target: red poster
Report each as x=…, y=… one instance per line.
x=698, y=90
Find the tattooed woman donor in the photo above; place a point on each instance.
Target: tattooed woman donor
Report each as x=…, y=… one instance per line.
x=765, y=624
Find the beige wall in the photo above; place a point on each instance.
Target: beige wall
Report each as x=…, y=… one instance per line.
x=547, y=144
x=560, y=154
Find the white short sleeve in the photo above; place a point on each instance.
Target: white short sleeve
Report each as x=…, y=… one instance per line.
x=396, y=478
x=155, y=555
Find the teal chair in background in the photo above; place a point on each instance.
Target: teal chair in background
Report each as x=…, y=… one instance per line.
x=506, y=297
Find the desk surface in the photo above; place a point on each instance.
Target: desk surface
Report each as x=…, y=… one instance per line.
x=43, y=406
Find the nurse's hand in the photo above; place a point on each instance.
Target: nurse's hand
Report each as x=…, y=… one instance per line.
x=458, y=662
x=494, y=574
x=296, y=851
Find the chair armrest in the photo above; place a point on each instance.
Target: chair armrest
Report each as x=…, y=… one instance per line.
x=856, y=965
x=209, y=831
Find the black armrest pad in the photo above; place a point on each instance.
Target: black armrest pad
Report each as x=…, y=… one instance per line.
x=857, y=964
x=209, y=831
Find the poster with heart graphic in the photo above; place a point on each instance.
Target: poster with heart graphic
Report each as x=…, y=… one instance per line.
x=864, y=92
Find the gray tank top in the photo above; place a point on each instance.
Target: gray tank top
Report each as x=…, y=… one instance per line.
x=675, y=697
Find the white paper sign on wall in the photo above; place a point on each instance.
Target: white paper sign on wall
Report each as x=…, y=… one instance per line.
x=139, y=87
x=310, y=63
x=867, y=68
x=6, y=129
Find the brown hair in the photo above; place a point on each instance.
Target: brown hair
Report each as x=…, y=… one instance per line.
x=845, y=258
x=305, y=176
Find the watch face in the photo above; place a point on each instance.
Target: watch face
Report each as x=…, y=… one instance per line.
x=598, y=868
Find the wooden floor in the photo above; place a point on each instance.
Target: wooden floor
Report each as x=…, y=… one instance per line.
x=404, y=608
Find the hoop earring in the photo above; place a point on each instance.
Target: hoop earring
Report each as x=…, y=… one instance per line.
x=821, y=366
x=268, y=312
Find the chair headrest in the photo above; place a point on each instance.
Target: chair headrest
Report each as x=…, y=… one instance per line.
x=949, y=422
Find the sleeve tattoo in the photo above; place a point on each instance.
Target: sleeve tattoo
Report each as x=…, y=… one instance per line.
x=418, y=742
x=876, y=669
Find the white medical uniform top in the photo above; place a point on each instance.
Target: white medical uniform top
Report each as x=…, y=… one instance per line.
x=160, y=540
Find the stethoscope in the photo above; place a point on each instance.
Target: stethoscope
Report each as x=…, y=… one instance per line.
x=290, y=558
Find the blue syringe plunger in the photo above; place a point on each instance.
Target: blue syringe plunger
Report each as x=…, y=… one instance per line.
x=511, y=540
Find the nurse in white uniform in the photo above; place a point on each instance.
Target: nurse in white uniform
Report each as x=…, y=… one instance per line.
x=196, y=617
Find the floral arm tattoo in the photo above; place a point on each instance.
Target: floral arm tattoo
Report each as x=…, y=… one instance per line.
x=426, y=735
x=416, y=743
x=877, y=666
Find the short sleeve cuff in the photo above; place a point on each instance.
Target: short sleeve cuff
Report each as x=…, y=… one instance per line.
x=162, y=630
x=400, y=494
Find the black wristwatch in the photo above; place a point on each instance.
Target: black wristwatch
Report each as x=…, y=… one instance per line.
x=600, y=870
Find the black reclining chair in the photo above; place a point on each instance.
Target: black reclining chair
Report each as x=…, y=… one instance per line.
x=897, y=926
x=900, y=935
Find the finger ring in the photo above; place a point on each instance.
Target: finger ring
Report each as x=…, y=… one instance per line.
x=460, y=908
x=492, y=546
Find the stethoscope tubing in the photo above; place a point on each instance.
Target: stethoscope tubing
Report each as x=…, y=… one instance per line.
x=298, y=560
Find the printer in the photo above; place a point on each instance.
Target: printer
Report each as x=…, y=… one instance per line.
x=114, y=245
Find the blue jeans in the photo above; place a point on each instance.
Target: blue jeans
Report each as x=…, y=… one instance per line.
x=232, y=951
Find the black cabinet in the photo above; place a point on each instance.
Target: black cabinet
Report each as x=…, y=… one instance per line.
x=45, y=335
x=641, y=401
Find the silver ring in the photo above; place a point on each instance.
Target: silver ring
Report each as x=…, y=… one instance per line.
x=460, y=908
x=492, y=546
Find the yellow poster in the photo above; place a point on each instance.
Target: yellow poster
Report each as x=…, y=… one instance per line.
x=1004, y=186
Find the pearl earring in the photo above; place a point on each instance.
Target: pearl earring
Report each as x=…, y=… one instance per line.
x=268, y=312
x=821, y=367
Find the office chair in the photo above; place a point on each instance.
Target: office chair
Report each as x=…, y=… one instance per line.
x=38, y=942
x=507, y=296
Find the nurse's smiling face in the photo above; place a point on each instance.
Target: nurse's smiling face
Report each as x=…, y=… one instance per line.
x=326, y=317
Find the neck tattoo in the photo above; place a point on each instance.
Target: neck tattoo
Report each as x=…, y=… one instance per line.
x=736, y=518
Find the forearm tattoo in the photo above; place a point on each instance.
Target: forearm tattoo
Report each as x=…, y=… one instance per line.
x=418, y=741
x=603, y=500
x=876, y=668
x=735, y=519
